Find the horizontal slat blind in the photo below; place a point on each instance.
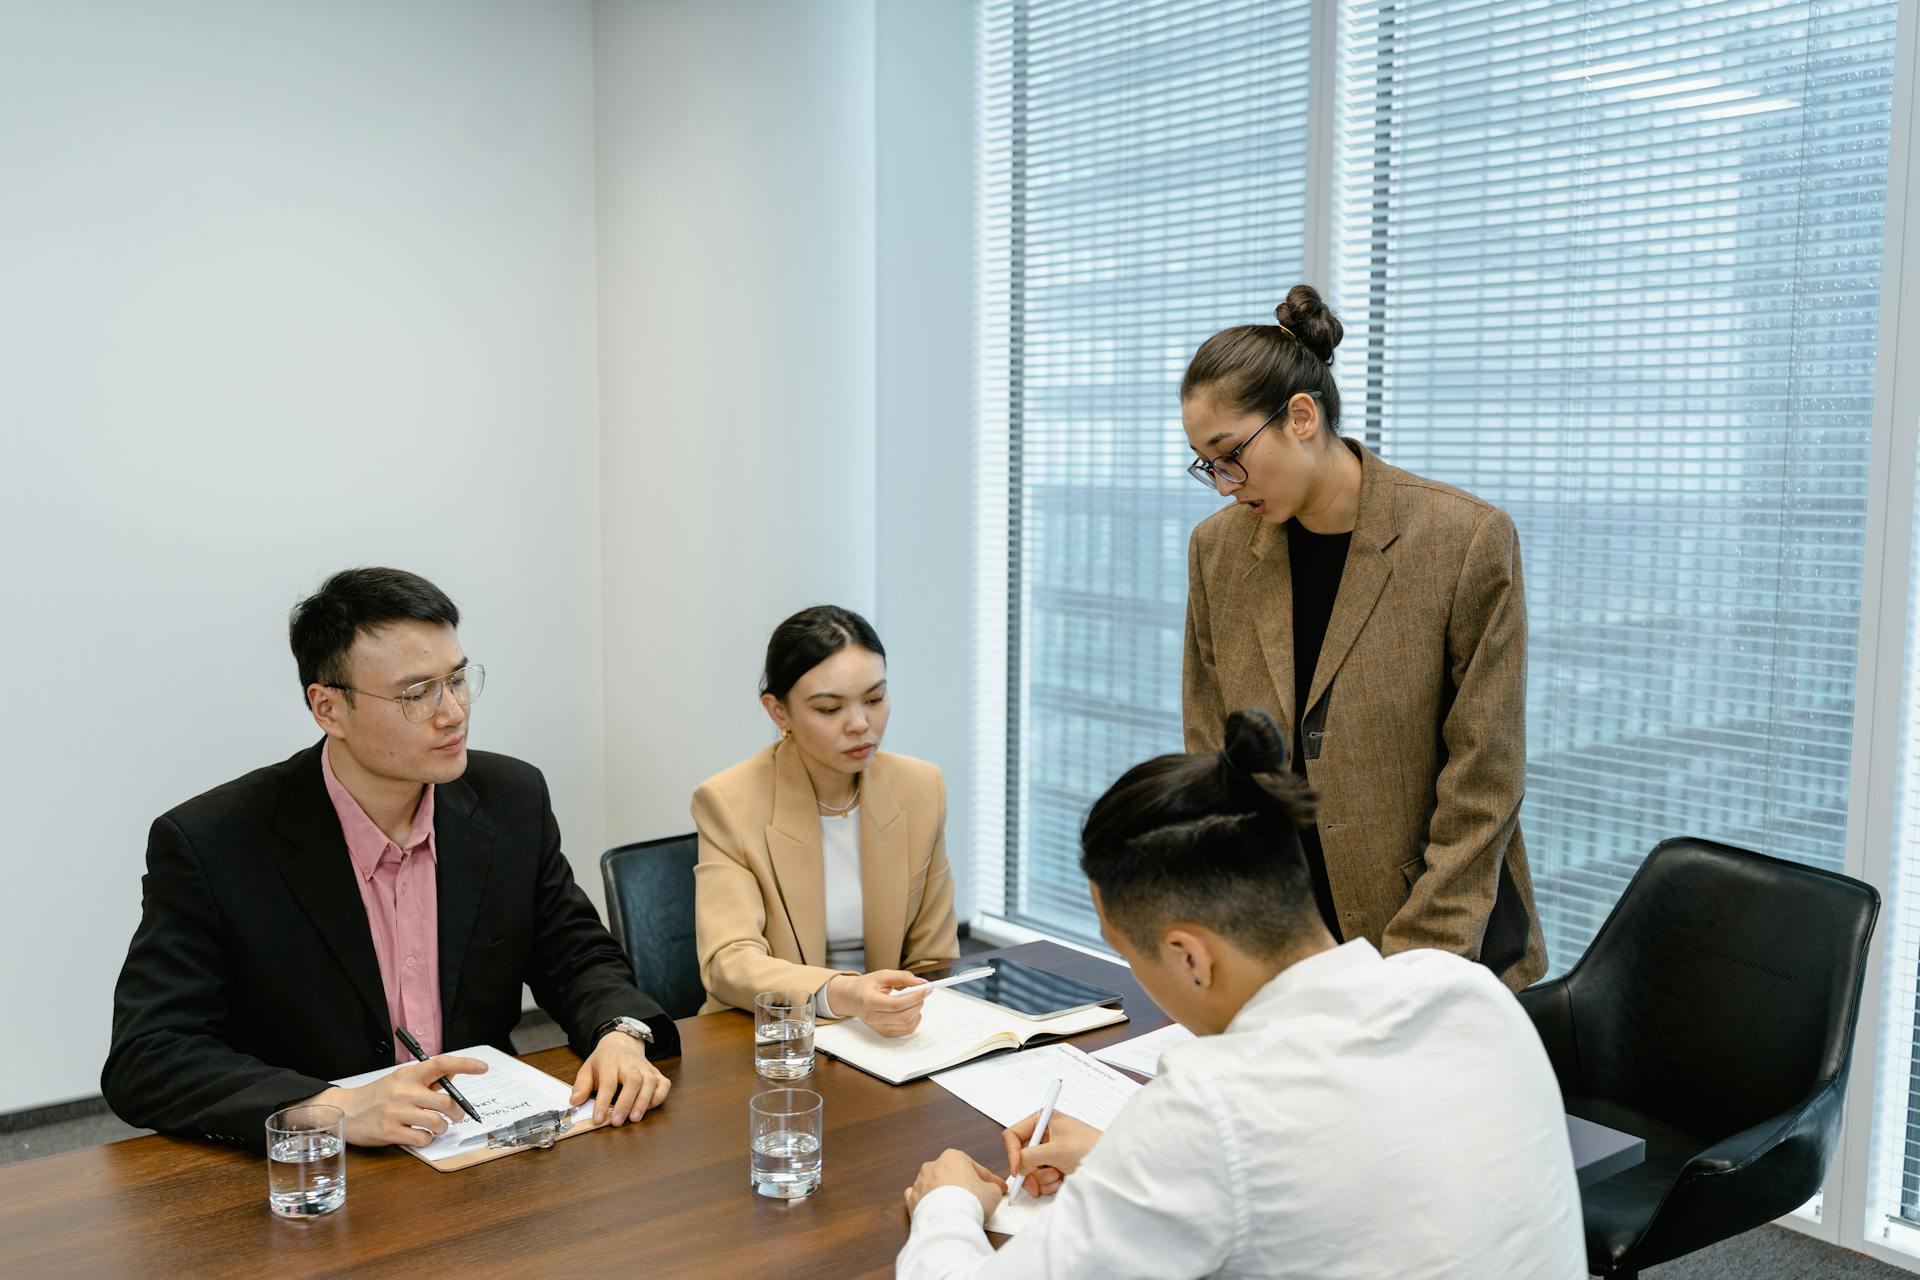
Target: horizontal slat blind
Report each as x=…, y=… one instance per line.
x=1140, y=188
x=1616, y=268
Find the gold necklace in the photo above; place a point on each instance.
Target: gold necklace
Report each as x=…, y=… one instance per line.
x=842, y=810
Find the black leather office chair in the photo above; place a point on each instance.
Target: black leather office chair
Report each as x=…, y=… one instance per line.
x=650, y=910
x=1713, y=1016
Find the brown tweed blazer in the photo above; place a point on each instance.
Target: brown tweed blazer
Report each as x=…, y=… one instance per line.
x=1415, y=735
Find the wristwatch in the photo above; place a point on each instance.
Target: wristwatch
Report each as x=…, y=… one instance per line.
x=631, y=1026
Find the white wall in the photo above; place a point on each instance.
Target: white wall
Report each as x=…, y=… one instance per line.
x=669, y=301
x=736, y=204
x=288, y=287
x=924, y=164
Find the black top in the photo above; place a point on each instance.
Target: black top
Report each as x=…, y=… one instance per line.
x=1316, y=560
x=252, y=979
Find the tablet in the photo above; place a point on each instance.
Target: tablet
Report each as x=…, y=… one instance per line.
x=1032, y=993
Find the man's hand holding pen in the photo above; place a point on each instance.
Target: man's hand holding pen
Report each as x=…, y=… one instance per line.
x=401, y=1108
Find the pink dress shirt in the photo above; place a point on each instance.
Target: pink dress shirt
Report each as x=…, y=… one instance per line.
x=398, y=887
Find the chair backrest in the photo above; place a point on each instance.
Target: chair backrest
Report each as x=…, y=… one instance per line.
x=650, y=910
x=1723, y=987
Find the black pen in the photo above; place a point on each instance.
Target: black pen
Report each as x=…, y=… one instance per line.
x=413, y=1047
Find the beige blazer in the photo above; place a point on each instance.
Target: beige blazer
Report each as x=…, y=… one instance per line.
x=760, y=913
x=1415, y=737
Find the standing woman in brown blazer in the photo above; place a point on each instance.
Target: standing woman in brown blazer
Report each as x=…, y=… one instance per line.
x=823, y=859
x=1378, y=616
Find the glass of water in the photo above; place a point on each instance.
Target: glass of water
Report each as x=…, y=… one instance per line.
x=786, y=1142
x=783, y=1034
x=306, y=1161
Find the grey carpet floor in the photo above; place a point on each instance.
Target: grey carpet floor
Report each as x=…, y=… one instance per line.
x=1770, y=1253
x=1774, y=1253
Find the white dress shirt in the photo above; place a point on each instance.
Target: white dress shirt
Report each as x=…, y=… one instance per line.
x=846, y=919
x=846, y=910
x=1360, y=1117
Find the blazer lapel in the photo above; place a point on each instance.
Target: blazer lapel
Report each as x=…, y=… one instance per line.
x=1269, y=580
x=319, y=871
x=883, y=868
x=1364, y=577
x=795, y=850
x=463, y=858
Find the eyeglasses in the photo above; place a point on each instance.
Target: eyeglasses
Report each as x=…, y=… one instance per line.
x=1227, y=466
x=419, y=702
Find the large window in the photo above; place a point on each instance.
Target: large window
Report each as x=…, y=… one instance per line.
x=1623, y=280
x=1621, y=269
x=1141, y=187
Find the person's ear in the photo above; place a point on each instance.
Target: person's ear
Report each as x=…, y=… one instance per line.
x=329, y=707
x=1190, y=956
x=776, y=713
x=1303, y=417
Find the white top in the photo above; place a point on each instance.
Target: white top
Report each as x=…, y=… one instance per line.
x=846, y=920
x=1360, y=1118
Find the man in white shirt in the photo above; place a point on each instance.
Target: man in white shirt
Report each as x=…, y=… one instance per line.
x=1341, y=1115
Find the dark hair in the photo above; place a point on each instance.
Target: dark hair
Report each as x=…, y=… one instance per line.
x=809, y=638
x=1208, y=838
x=322, y=627
x=1257, y=368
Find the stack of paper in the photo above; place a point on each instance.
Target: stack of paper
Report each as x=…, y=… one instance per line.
x=1012, y=1088
x=1141, y=1055
x=507, y=1091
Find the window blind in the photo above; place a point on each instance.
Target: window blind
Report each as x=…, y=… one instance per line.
x=1141, y=169
x=1616, y=268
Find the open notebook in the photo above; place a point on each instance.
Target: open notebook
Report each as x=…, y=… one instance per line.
x=953, y=1029
x=507, y=1091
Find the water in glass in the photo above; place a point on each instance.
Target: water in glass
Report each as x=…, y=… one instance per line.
x=306, y=1173
x=786, y=1163
x=783, y=1050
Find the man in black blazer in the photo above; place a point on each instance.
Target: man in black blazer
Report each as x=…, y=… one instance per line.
x=285, y=913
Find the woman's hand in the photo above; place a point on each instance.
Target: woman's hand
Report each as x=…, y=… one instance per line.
x=888, y=1000
x=1043, y=1166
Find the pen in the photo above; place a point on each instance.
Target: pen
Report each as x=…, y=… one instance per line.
x=1016, y=1181
x=971, y=975
x=413, y=1047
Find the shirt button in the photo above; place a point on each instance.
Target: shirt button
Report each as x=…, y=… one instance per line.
x=409, y=962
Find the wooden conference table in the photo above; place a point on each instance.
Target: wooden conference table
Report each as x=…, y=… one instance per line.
x=666, y=1197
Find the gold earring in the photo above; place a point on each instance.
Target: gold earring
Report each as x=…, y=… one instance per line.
x=785, y=734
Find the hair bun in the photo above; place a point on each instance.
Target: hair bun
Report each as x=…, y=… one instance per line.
x=1253, y=769
x=1305, y=315
x=1254, y=744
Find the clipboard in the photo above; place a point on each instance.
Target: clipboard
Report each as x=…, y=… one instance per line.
x=521, y=1107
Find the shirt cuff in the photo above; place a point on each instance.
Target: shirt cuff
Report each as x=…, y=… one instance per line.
x=950, y=1201
x=821, y=1008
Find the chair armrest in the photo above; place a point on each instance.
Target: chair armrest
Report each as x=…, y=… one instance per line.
x=1749, y=1179
x=1550, y=1006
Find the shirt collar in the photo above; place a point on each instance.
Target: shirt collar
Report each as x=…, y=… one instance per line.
x=1319, y=969
x=367, y=844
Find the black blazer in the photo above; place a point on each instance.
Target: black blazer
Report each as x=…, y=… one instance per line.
x=252, y=979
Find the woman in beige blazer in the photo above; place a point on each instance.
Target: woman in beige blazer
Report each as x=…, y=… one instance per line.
x=823, y=861
x=1378, y=616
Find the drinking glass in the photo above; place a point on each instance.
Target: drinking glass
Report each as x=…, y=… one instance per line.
x=783, y=1034
x=306, y=1161
x=786, y=1142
